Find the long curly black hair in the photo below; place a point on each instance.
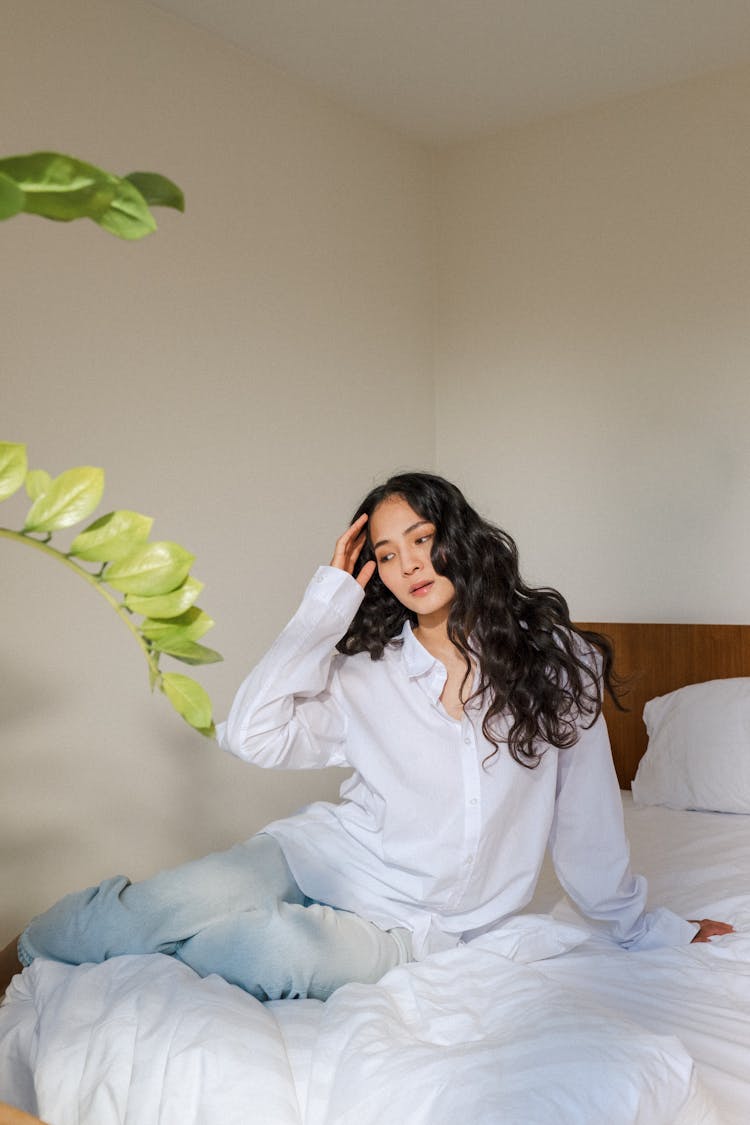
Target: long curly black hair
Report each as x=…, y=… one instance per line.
x=535, y=667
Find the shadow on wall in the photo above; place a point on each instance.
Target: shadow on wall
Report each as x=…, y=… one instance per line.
x=20, y=696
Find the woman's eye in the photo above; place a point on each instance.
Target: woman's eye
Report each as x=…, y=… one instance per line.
x=385, y=558
x=424, y=538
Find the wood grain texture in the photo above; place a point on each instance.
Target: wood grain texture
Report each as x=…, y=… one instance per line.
x=655, y=659
x=9, y=1115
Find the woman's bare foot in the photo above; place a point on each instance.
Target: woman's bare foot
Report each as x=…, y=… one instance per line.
x=9, y=965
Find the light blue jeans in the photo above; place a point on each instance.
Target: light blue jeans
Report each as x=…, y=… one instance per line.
x=239, y=914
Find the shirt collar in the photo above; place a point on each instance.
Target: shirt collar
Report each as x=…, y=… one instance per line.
x=421, y=665
x=417, y=660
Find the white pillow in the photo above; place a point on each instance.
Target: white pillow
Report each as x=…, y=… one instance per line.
x=698, y=754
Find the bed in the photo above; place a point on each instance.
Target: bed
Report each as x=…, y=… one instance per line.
x=542, y=1020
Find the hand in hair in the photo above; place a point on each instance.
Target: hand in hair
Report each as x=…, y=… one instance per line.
x=348, y=548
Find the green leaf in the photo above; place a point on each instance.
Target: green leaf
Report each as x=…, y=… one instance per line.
x=60, y=187
x=191, y=653
x=155, y=568
x=13, y=465
x=12, y=198
x=189, y=699
x=189, y=626
x=37, y=483
x=112, y=537
x=157, y=190
x=166, y=605
x=70, y=497
x=127, y=215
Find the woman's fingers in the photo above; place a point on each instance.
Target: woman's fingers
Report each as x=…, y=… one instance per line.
x=709, y=928
x=349, y=545
x=366, y=573
x=348, y=549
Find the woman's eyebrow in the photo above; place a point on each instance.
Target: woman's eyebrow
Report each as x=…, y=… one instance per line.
x=412, y=527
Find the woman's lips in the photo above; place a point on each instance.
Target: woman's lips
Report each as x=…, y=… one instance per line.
x=420, y=590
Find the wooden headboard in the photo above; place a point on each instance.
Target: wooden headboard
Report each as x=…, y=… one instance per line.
x=656, y=659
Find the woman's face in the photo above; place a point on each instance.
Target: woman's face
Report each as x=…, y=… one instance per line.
x=402, y=543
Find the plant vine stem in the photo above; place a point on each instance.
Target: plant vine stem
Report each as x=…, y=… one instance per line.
x=93, y=580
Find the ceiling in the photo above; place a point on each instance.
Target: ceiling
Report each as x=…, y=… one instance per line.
x=446, y=71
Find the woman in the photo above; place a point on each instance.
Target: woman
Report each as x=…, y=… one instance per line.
x=469, y=708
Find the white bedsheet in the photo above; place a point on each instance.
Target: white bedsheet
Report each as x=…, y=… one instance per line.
x=537, y=1023
x=698, y=863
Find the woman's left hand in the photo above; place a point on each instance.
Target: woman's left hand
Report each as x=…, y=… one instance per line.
x=709, y=929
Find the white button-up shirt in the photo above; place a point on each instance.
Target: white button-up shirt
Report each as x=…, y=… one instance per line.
x=431, y=833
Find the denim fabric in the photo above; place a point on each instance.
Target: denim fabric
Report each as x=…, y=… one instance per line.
x=239, y=914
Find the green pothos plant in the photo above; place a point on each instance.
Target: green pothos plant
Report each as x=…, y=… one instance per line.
x=63, y=188
x=148, y=584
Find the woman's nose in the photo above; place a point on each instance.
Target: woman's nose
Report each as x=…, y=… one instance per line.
x=410, y=563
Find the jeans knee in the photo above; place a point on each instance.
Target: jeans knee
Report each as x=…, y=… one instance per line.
x=79, y=927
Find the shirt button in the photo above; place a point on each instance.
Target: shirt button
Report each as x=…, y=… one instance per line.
x=473, y=801
x=469, y=859
x=467, y=741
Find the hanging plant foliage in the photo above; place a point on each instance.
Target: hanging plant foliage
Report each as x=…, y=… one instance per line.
x=139, y=578
x=64, y=188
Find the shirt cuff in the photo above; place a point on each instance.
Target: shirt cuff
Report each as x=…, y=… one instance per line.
x=337, y=589
x=664, y=928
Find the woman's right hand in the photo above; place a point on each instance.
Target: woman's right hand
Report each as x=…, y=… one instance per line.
x=348, y=549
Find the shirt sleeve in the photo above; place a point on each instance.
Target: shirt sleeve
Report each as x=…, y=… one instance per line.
x=590, y=850
x=286, y=713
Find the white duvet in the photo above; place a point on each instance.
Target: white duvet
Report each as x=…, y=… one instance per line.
x=466, y=1035
x=537, y=1023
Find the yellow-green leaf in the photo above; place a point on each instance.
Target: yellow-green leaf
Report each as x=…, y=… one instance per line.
x=12, y=198
x=13, y=465
x=189, y=699
x=127, y=215
x=191, y=653
x=155, y=568
x=37, y=483
x=189, y=626
x=63, y=187
x=70, y=497
x=60, y=187
x=112, y=537
x=166, y=605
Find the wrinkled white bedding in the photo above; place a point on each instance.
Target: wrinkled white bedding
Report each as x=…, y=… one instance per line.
x=536, y=1023
x=698, y=864
x=467, y=1035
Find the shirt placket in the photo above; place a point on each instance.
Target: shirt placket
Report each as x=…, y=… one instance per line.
x=470, y=767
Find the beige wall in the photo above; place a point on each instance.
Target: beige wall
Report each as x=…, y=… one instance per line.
x=244, y=375
x=248, y=372
x=593, y=384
